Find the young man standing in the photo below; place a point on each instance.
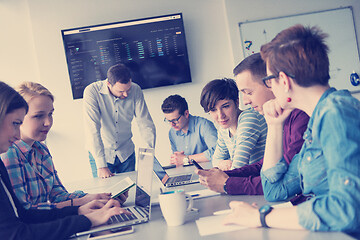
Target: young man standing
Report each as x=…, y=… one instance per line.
x=109, y=108
x=191, y=137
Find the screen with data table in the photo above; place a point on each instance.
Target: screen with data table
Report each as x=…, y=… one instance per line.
x=153, y=48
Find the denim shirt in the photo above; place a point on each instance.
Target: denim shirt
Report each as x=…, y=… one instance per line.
x=327, y=167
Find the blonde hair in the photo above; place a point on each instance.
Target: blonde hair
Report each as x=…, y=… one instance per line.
x=29, y=90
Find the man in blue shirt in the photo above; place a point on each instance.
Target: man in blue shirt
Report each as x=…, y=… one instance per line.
x=191, y=137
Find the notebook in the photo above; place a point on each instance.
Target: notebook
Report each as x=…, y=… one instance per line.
x=173, y=181
x=142, y=208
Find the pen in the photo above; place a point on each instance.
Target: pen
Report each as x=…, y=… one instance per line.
x=226, y=211
x=195, y=195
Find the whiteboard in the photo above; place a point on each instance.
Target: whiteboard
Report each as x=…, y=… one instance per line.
x=337, y=23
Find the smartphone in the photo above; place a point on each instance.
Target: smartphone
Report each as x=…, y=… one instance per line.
x=111, y=233
x=196, y=164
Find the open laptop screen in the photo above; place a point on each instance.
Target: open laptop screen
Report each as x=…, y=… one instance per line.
x=144, y=177
x=160, y=171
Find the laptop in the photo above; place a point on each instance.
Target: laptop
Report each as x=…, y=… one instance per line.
x=142, y=208
x=178, y=180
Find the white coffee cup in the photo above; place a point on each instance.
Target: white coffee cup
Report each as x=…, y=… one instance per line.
x=173, y=206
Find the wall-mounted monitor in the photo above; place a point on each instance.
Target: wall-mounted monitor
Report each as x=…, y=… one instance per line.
x=153, y=48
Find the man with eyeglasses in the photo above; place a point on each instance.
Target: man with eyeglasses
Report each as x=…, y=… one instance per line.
x=191, y=137
x=109, y=108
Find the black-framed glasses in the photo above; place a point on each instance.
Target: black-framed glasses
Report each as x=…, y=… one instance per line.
x=174, y=121
x=267, y=80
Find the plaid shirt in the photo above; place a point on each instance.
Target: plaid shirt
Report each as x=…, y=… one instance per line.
x=39, y=186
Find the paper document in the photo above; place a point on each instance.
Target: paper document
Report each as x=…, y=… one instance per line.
x=282, y=205
x=202, y=193
x=214, y=224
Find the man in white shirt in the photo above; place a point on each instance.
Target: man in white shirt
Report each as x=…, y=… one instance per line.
x=109, y=108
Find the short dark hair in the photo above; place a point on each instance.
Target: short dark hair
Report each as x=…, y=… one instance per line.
x=300, y=51
x=174, y=102
x=10, y=100
x=218, y=89
x=254, y=64
x=118, y=73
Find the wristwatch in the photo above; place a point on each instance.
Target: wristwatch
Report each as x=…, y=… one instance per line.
x=186, y=160
x=264, y=210
x=225, y=189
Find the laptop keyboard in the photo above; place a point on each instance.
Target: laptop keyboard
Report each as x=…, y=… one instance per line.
x=122, y=217
x=179, y=178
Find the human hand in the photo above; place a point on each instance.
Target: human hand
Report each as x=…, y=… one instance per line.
x=122, y=197
x=225, y=165
x=177, y=158
x=243, y=214
x=91, y=206
x=101, y=213
x=214, y=179
x=104, y=172
x=274, y=114
x=90, y=197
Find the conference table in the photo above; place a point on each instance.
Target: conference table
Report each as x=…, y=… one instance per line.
x=157, y=228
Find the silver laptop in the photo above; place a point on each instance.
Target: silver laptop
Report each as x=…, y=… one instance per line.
x=142, y=208
x=172, y=181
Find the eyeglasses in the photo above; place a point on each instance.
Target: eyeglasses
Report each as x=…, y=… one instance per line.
x=174, y=121
x=267, y=80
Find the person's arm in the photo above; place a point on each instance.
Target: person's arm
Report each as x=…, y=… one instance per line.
x=92, y=122
x=337, y=129
x=247, y=170
x=208, y=133
x=250, y=127
x=177, y=158
x=172, y=141
x=219, y=181
x=45, y=224
x=144, y=120
x=221, y=152
x=35, y=224
x=60, y=196
x=245, y=214
x=275, y=117
x=17, y=168
x=294, y=128
x=57, y=192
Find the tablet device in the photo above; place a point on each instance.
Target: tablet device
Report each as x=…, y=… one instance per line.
x=121, y=187
x=111, y=233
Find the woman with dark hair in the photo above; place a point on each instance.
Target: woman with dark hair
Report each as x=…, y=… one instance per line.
x=19, y=223
x=241, y=134
x=327, y=167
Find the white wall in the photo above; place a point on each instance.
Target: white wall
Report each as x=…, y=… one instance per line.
x=239, y=11
x=209, y=53
x=18, y=59
x=31, y=49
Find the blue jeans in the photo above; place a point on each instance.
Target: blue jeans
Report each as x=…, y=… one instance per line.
x=116, y=167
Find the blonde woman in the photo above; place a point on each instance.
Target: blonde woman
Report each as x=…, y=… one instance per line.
x=16, y=222
x=29, y=162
